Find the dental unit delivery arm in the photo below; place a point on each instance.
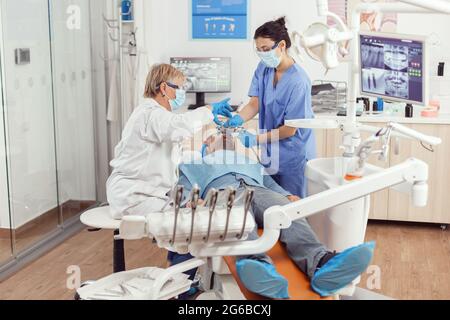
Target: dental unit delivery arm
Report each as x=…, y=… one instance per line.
x=278, y=218
x=411, y=175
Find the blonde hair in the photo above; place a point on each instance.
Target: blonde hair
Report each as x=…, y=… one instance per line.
x=158, y=74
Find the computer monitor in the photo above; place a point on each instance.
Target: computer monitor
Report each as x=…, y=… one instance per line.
x=205, y=75
x=394, y=67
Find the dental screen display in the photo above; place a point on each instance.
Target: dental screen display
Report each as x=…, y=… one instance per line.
x=205, y=74
x=392, y=68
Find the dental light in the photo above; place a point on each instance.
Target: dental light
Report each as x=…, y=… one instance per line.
x=324, y=43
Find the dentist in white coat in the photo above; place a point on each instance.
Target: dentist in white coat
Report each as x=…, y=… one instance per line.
x=145, y=164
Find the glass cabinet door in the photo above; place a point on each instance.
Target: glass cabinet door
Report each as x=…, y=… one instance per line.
x=47, y=169
x=5, y=225
x=30, y=134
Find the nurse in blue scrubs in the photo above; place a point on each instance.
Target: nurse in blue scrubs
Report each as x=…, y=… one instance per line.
x=280, y=91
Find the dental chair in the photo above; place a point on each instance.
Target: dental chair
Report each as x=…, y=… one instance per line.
x=223, y=279
x=215, y=233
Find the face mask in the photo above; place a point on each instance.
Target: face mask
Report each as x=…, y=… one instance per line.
x=179, y=101
x=270, y=58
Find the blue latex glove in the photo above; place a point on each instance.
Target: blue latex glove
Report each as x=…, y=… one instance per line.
x=262, y=278
x=342, y=269
x=222, y=108
x=217, y=121
x=248, y=140
x=235, y=122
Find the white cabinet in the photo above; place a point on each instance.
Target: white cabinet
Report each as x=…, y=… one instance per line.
x=438, y=208
x=395, y=206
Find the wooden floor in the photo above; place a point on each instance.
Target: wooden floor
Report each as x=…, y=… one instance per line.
x=39, y=228
x=414, y=263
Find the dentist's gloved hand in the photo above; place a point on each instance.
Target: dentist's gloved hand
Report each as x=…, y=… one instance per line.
x=222, y=108
x=248, y=140
x=235, y=122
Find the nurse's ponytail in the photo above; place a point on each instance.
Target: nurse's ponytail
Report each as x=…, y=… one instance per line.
x=275, y=30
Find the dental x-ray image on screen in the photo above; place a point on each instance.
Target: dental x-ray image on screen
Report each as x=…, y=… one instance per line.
x=397, y=84
x=205, y=74
x=374, y=81
x=396, y=57
x=373, y=56
x=393, y=66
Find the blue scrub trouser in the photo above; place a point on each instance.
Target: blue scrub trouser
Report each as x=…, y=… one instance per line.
x=294, y=182
x=301, y=242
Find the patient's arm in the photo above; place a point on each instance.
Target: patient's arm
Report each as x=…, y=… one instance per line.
x=270, y=184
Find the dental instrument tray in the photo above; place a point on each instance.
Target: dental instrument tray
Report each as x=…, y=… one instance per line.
x=135, y=285
x=329, y=96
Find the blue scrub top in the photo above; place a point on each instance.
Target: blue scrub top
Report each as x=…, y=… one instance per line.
x=290, y=99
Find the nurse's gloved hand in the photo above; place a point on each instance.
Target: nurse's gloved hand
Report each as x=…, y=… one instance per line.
x=217, y=121
x=235, y=122
x=222, y=108
x=248, y=140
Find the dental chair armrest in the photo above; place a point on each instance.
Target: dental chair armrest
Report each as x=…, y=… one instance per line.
x=133, y=228
x=275, y=220
x=266, y=242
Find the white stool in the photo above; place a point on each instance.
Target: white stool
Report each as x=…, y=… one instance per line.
x=100, y=218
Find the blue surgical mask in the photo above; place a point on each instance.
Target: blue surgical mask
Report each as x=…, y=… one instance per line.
x=179, y=101
x=270, y=58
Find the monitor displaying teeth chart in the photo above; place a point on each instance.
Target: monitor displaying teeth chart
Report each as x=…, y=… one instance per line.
x=394, y=67
x=204, y=75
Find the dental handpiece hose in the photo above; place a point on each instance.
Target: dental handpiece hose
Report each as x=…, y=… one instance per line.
x=434, y=141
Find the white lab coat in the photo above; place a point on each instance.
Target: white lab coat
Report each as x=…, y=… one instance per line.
x=144, y=168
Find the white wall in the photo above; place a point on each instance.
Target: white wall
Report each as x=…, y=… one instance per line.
x=169, y=36
x=73, y=103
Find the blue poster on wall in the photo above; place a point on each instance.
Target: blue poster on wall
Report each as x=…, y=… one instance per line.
x=219, y=19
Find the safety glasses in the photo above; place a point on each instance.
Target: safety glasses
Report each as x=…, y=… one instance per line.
x=268, y=50
x=174, y=86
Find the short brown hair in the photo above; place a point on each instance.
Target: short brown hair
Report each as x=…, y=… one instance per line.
x=158, y=74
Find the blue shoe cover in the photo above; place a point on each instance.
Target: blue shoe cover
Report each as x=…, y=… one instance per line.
x=262, y=278
x=342, y=269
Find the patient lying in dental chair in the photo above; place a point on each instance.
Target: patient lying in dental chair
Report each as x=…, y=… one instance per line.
x=221, y=168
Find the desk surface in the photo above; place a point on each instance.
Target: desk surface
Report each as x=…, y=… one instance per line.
x=443, y=119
